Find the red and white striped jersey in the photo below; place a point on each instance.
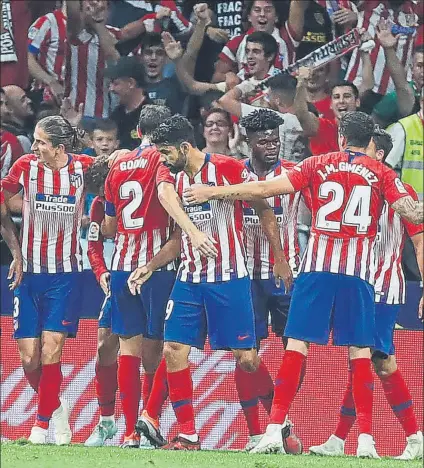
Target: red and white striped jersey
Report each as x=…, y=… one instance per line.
x=47, y=39
x=85, y=81
x=390, y=287
x=260, y=258
x=10, y=151
x=347, y=194
x=95, y=238
x=52, y=209
x=143, y=225
x=371, y=13
x=234, y=52
x=220, y=219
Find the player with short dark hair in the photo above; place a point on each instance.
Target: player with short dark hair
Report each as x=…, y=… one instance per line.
x=390, y=289
x=334, y=289
x=210, y=297
x=47, y=302
x=262, y=130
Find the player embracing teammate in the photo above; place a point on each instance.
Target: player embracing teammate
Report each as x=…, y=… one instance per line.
x=335, y=285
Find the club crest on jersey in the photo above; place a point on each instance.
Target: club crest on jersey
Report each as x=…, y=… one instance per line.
x=76, y=180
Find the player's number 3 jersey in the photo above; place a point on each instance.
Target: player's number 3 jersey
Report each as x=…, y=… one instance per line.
x=52, y=209
x=348, y=191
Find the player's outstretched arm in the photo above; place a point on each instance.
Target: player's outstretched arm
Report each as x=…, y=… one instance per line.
x=10, y=235
x=409, y=209
x=282, y=270
x=167, y=254
x=197, y=194
x=170, y=200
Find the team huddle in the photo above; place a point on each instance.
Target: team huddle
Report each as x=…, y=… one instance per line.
x=206, y=246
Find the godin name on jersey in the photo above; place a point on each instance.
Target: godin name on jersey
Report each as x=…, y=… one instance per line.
x=133, y=164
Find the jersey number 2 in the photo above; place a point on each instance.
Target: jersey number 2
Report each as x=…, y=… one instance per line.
x=356, y=213
x=133, y=189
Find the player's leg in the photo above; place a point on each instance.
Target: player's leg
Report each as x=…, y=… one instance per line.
x=30, y=354
x=308, y=321
x=106, y=381
x=185, y=326
x=354, y=326
x=395, y=388
x=129, y=323
x=248, y=384
x=154, y=295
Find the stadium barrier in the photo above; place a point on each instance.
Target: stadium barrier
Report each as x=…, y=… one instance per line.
x=218, y=414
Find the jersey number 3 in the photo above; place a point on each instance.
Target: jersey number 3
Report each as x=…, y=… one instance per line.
x=131, y=189
x=356, y=212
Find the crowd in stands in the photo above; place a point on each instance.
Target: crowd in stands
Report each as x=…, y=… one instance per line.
x=98, y=62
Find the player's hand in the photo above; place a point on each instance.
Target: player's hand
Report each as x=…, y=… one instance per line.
x=204, y=244
x=137, y=278
x=105, y=282
x=420, y=310
x=197, y=194
x=15, y=273
x=116, y=155
x=282, y=271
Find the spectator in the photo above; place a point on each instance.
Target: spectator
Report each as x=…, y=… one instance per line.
x=317, y=87
x=104, y=137
x=400, y=14
x=161, y=91
x=10, y=147
x=92, y=44
x=47, y=42
x=407, y=155
x=262, y=16
x=128, y=83
x=219, y=133
x=20, y=119
x=405, y=99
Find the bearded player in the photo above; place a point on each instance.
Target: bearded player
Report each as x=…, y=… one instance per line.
x=262, y=129
x=335, y=287
x=390, y=288
x=47, y=302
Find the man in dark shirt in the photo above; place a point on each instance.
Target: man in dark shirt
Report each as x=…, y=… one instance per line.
x=161, y=91
x=128, y=83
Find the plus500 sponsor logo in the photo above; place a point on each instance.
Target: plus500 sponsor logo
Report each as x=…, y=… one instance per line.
x=55, y=203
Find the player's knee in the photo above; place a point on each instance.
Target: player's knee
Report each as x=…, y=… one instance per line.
x=30, y=362
x=175, y=355
x=384, y=366
x=107, y=348
x=248, y=361
x=151, y=354
x=51, y=350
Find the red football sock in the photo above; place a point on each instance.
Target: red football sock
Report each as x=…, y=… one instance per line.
x=247, y=390
x=286, y=385
x=265, y=386
x=347, y=413
x=48, y=393
x=399, y=398
x=159, y=392
x=33, y=378
x=106, y=385
x=181, y=396
x=130, y=390
x=146, y=388
x=362, y=390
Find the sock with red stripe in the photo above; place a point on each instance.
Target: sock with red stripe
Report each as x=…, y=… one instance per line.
x=159, y=392
x=33, y=378
x=286, y=385
x=362, y=390
x=247, y=390
x=48, y=393
x=400, y=400
x=106, y=386
x=129, y=389
x=347, y=413
x=181, y=396
x=146, y=388
x=265, y=386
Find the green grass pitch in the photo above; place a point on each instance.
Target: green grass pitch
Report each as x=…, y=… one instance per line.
x=20, y=455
